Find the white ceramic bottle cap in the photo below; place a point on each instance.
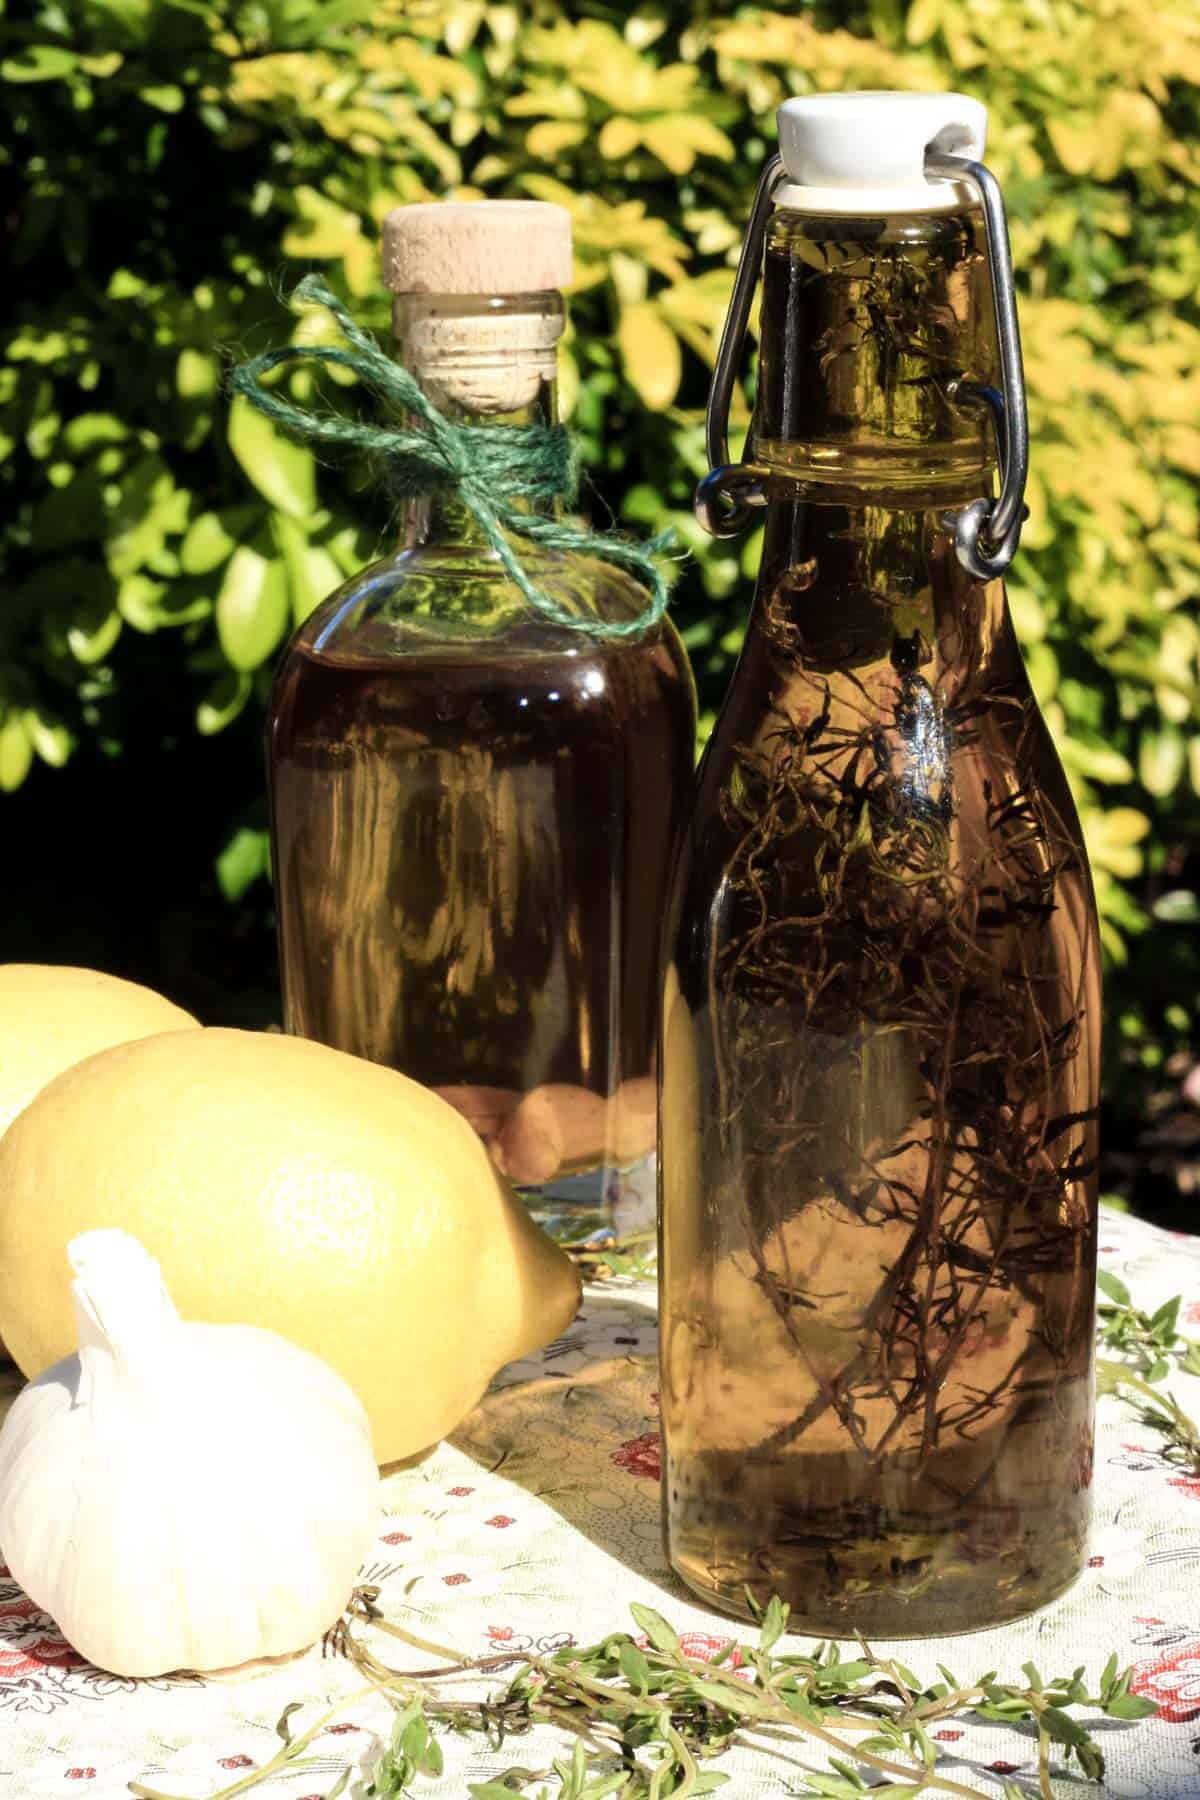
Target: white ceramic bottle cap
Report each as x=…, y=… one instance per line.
x=865, y=153
x=477, y=247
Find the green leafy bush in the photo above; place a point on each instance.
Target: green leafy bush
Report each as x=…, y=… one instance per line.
x=175, y=164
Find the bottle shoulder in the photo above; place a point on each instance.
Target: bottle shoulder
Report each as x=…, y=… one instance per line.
x=458, y=602
x=522, y=681
x=818, y=764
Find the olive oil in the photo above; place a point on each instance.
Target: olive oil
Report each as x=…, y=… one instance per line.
x=471, y=857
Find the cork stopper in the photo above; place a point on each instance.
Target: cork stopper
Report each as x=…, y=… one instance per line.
x=477, y=247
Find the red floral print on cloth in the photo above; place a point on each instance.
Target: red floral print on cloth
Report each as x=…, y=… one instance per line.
x=42, y=1653
x=503, y=1637
x=1191, y=1313
x=1172, y=1682
x=20, y=1608
x=30, y=1641
x=641, y=1456
x=1186, y=1484
x=702, y=1646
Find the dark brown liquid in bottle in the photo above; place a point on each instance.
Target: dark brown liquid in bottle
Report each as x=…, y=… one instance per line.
x=471, y=850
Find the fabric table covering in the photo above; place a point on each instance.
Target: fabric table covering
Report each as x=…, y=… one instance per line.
x=538, y=1523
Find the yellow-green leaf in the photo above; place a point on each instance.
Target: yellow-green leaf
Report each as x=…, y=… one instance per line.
x=48, y=735
x=165, y=97
x=923, y=19
x=16, y=752
x=137, y=601
x=1096, y=762
x=282, y=472
x=1161, y=756
x=207, y=545
x=1113, y=837
x=196, y=374
x=91, y=431
x=551, y=136
x=93, y=632
x=650, y=352
x=672, y=146
x=243, y=860
x=323, y=230
x=223, y=702
x=312, y=573
x=618, y=137
x=700, y=134
x=252, y=608
x=38, y=62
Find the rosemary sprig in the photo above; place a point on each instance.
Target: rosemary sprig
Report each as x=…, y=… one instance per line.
x=1148, y=1347
x=645, y=1717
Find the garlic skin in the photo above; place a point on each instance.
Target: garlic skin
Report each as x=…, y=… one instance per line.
x=182, y=1496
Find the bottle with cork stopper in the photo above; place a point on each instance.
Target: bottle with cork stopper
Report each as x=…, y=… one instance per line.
x=477, y=781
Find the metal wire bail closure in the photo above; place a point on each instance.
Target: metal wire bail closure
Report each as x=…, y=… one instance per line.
x=986, y=532
x=727, y=495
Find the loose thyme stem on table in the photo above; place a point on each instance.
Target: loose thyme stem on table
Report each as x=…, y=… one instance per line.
x=645, y=1716
x=1149, y=1346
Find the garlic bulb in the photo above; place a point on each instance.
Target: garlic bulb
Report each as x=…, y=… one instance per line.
x=182, y=1496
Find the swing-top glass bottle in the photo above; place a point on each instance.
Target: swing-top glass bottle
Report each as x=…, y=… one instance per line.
x=882, y=1011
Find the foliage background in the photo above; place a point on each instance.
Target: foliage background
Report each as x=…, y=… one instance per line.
x=170, y=165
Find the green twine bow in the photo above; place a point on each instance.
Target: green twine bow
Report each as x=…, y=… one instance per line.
x=489, y=467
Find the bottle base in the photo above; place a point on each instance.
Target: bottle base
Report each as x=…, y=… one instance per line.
x=951, y=1601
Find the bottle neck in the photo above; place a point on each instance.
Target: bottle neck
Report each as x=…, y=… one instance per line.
x=854, y=587
x=482, y=360
x=869, y=325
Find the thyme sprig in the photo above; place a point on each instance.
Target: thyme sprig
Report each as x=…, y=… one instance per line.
x=1148, y=1346
x=646, y=1717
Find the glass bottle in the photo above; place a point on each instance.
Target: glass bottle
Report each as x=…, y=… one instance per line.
x=880, y=1038
x=472, y=805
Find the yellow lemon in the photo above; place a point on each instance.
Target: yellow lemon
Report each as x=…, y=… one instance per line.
x=283, y=1184
x=51, y=1018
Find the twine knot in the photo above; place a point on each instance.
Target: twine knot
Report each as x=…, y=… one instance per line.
x=495, y=470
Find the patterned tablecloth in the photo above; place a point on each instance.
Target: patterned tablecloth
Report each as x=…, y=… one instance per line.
x=538, y=1524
